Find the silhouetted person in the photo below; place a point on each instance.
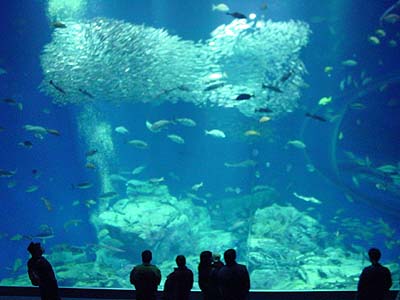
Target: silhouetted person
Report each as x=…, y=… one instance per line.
x=217, y=264
x=375, y=280
x=179, y=282
x=146, y=277
x=41, y=273
x=233, y=278
x=204, y=273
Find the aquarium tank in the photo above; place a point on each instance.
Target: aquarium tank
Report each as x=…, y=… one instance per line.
x=267, y=126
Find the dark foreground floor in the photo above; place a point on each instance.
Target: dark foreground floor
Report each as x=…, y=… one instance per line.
x=31, y=293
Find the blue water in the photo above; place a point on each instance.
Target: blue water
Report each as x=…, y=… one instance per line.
x=57, y=163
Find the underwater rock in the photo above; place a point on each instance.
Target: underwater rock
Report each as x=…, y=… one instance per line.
x=289, y=249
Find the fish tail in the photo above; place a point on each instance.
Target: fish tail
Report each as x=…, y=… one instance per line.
x=213, y=7
x=206, y=132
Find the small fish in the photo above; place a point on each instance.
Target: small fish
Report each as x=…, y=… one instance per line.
x=58, y=24
x=9, y=101
x=2, y=71
x=86, y=93
x=297, y=144
x=349, y=63
x=242, y=164
x=138, y=144
x=263, y=110
x=138, y=170
x=121, y=130
x=237, y=15
x=215, y=133
x=6, y=174
x=91, y=152
x=222, y=7
x=264, y=119
x=83, y=185
x=264, y=6
x=380, y=32
x=286, y=76
x=357, y=105
x=391, y=18
x=47, y=203
x=214, y=86
x=374, y=40
x=176, y=138
x=186, y=122
x=272, y=88
x=324, y=101
x=72, y=222
x=156, y=180
x=90, y=165
x=108, y=195
x=392, y=43
x=340, y=136
x=252, y=133
x=31, y=189
x=53, y=132
x=26, y=144
x=243, y=97
x=315, y=117
x=307, y=199
x=57, y=87
x=197, y=186
x=158, y=125
x=328, y=69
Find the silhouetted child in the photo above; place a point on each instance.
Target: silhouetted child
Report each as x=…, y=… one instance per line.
x=375, y=280
x=41, y=273
x=179, y=282
x=146, y=277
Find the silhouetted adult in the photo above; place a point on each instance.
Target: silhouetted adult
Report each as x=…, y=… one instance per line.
x=41, y=273
x=233, y=278
x=146, y=277
x=375, y=280
x=204, y=273
x=179, y=282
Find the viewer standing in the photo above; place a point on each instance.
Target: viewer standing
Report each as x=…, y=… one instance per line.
x=375, y=280
x=146, y=277
x=41, y=273
x=233, y=278
x=204, y=273
x=179, y=282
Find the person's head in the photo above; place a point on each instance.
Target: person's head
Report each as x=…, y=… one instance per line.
x=206, y=258
x=180, y=261
x=35, y=249
x=216, y=257
x=374, y=255
x=230, y=256
x=147, y=256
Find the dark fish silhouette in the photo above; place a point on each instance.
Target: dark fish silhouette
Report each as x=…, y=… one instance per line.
x=286, y=76
x=86, y=93
x=263, y=110
x=9, y=101
x=58, y=24
x=316, y=117
x=91, y=152
x=57, y=87
x=237, y=15
x=243, y=97
x=272, y=88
